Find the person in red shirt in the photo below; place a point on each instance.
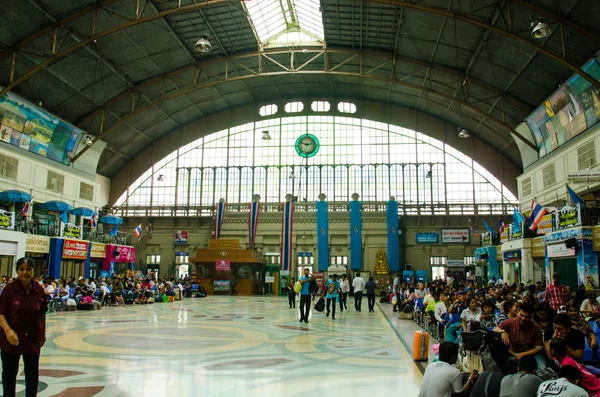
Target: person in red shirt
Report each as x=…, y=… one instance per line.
x=557, y=294
x=558, y=350
x=23, y=321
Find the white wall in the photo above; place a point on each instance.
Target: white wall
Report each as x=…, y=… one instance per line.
x=18, y=239
x=32, y=176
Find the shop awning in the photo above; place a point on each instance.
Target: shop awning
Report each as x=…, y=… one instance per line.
x=15, y=196
x=83, y=211
x=57, y=206
x=111, y=220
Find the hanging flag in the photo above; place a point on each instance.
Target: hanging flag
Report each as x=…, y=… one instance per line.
x=488, y=228
x=502, y=225
x=537, y=213
x=253, y=222
x=575, y=197
x=475, y=232
x=26, y=208
x=94, y=220
x=138, y=231
x=286, y=235
x=219, y=215
x=113, y=231
x=517, y=220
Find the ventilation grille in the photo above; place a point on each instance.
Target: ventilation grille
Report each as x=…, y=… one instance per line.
x=549, y=175
x=86, y=191
x=55, y=182
x=526, y=189
x=586, y=155
x=8, y=167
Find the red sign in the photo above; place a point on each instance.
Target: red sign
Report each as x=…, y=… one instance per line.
x=223, y=264
x=320, y=276
x=181, y=237
x=74, y=249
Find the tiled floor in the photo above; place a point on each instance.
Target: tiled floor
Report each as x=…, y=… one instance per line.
x=223, y=346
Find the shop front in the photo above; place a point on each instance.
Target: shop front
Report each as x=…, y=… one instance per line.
x=68, y=258
x=538, y=256
x=486, y=260
x=38, y=248
x=97, y=255
x=119, y=259
x=12, y=247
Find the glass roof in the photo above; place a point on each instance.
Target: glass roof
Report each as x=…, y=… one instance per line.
x=281, y=23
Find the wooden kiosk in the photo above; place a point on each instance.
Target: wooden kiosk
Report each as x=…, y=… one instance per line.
x=242, y=267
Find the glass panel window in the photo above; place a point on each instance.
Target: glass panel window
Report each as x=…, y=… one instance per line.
x=294, y=107
x=320, y=106
x=267, y=110
x=346, y=107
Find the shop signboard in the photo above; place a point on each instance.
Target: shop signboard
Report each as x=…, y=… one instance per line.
x=71, y=230
x=122, y=253
x=98, y=250
x=427, y=238
x=456, y=263
x=538, y=248
x=565, y=234
x=269, y=279
x=453, y=236
x=560, y=250
x=545, y=225
x=74, y=249
x=221, y=286
x=568, y=217
x=181, y=237
x=512, y=256
x=223, y=265
x=504, y=235
x=7, y=220
x=37, y=244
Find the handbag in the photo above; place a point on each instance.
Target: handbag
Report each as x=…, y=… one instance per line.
x=473, y=341
x=320, y=305
x=297, y=287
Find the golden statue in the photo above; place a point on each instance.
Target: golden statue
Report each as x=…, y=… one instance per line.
x=381, y=268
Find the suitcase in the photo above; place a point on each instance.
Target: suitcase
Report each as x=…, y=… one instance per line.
x=420, y=349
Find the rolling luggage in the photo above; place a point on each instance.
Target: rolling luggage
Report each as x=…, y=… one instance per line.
x=420, y=349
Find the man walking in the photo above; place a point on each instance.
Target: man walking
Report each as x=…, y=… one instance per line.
x=370, y=288
x=344, y=289
x=305, y=296
x=359, y=285
x=396, y=291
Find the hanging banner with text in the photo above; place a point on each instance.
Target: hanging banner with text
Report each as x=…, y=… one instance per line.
x=74, y=249
x=71, y=230
x=223, y=265
x=568, y=217
x=7, y=220
x=322, y=236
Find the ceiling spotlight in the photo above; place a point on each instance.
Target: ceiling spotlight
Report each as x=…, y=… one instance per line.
x=266, y=136
x=462, y=133
x=429, y=174
x=541, y=30
x=203, y=45
x=160, y=178
x=88, y=141
x=304, y=50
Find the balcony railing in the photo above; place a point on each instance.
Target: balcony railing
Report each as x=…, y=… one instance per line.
x=52, y=229
x=366, y=206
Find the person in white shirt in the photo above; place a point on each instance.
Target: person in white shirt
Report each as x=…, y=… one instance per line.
x=442, y=379
x=441, y=308
x=92, y=285
x=396, y=291
x=567, y=385
x=104, y=294
x=359, y=285
x=344, y=288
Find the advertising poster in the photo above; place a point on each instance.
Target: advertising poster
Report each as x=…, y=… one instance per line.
x=31, y=128
x=122, y=253
x=181, y=237
x=7, y=220
x=590, y=266
x=320, y=280
x=74, y=249
x=71, y=230
x=223, y=265
x=221, y=286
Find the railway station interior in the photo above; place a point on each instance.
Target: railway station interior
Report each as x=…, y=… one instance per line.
x=184, y=163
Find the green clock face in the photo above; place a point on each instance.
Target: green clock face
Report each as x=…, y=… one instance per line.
x=307, y=145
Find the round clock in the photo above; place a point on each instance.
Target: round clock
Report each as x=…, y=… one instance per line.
x=307, y=145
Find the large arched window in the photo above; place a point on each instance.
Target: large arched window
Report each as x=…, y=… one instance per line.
x=373, y=159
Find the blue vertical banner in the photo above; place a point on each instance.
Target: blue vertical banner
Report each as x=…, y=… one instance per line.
x=253, y=222
x=322, y=236
x=286, y=235
x=393, y=236
x=219, y=215
x=355, y=235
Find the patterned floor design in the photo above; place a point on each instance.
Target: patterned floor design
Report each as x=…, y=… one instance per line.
x=223, y=346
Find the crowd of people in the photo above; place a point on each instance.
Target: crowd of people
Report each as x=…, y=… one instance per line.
x=536, y=340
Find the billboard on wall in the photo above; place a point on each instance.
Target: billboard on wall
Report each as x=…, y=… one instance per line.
x=569, y=111
x=27, y=126
x=7, y=220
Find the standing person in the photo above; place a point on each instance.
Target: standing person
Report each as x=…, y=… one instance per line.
x=567, y=385
x=344, y=289
x=442, y=379
x=332, y=288
x=359, y=285
x=396, y=291
x=23, y=320
x=291, y=292
x=370, y=288
x=305, y=296
x=557, y=294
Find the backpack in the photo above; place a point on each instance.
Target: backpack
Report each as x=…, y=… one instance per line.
x=313, y=287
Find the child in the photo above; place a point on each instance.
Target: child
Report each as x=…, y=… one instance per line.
x=488, y=318
x=291, y=293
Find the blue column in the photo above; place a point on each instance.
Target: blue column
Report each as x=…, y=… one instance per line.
x=87, y=263
x=355, y=236
x=393, y=236
x=322, y=236
x=55, y=256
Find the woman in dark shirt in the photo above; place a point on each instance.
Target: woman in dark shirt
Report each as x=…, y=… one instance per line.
x=23, y=320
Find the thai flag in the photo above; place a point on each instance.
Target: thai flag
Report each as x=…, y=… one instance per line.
x=94, y=220
x=475, y=232
x=537, y=213
x=220, y=214
x=138, y=231
x=253, y=222
x=26, y=208
x=502, y=225
x=286, y=235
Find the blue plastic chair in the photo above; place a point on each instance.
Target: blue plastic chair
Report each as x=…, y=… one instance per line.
x=71, y=292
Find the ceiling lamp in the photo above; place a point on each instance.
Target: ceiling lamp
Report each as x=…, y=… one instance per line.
x=462, y=133
x=266, y=136
x=88, y=141
x=541, y=30
x=429, y=174
x=203, y=45
x=292, y=176
x=160, y=178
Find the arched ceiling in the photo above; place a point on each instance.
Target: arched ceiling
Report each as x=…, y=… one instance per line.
x=126, y=71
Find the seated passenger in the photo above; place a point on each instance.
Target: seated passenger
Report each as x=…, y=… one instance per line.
x=524, y=383
x=575, y=339
x=488, y=318
x=580, y=324
x=558, y=350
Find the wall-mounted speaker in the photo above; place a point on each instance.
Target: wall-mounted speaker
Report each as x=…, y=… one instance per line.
x=571, y=243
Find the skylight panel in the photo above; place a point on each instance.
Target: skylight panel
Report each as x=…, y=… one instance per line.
x=280, y=23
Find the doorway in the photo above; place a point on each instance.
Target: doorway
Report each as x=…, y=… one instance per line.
x=568, y=271
x=438, y=272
